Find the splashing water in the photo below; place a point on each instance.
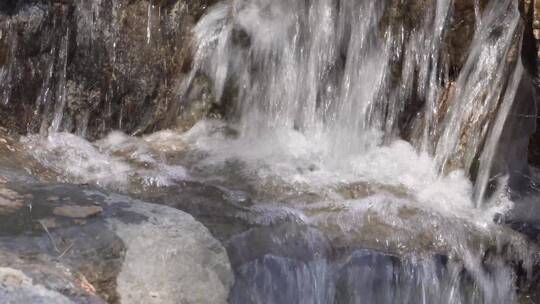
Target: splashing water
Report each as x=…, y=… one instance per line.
x=351, y=72
x=401, y=206
x=114, y=162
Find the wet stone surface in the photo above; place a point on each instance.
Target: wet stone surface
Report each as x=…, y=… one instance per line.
x=73, y=244
x=93, y=66
x=38, y=242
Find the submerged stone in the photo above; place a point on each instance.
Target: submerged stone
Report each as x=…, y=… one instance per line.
x=10, y=200
x=77, y=211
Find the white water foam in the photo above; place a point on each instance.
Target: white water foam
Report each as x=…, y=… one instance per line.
x=281, y=159
x=294, y=159
x=113, y=162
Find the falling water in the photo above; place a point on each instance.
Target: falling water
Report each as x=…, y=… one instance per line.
x=493, y=140
x=61, y=92
x=149, y=23
x=480, y=86
x=352, y=77
x=6, y=73
x=351, y=72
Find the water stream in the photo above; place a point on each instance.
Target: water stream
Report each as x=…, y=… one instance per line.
x=343, y=172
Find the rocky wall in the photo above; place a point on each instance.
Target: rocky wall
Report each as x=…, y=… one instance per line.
x=91, y=66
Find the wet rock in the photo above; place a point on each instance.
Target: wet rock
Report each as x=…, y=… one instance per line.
x=77, y=211
x=16, y=287
x=293, y=263
x=171, y=259
x=291, y=268
x=458, y=35
x=133, y=252
x=515, y=151
x=16, y=166
x=530, y=57
x=223, y=211
x=92, y=66
x=375, y=277
x=10, y=200
x=44, y=281
x=9, y=204
x=48, y=223
x=530, y=12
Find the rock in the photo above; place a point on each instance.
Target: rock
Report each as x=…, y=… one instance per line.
x=299, y=266
x=10, y=200
x=215, y=207
x=16, y=287
x=77, y=211
x=49, y=223
x=530, y=57
x=92, y=66
x=9, y=204
x=171, y=259
x=134, y=252
x=38, y=280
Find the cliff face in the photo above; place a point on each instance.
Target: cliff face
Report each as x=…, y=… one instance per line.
x=92, y=66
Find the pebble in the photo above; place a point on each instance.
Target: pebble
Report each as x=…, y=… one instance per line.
x=77, y=211
x=10, y=199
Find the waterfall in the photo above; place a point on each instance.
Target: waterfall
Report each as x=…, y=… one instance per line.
x=6, y=73
x=488, y=153
x=480, y=86
x=61, y=86
x=341, y=151
x=362, y=73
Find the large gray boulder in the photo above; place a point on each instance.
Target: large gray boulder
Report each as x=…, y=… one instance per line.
x=170, y=258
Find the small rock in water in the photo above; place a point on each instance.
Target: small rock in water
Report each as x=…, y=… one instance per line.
x=80, y=222
x=10, y=204
x=49, y=223
x=77, y=211
x=10, y=200
x=10, y=194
